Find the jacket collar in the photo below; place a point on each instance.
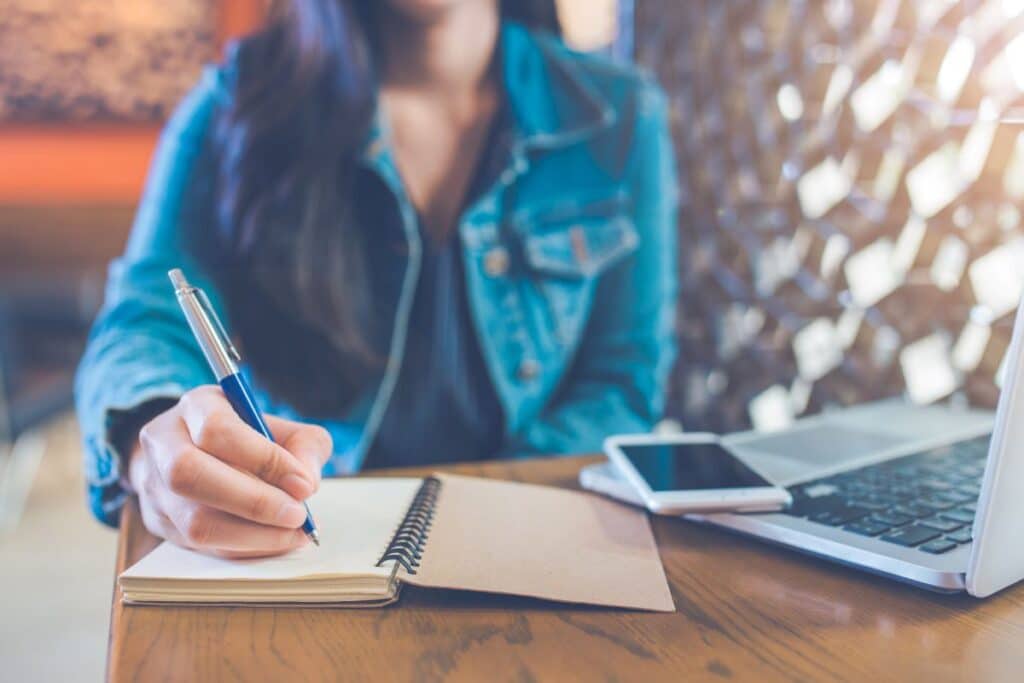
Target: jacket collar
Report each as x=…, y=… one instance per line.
x=552, y=102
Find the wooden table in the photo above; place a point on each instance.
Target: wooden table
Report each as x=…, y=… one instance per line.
x=746, y=611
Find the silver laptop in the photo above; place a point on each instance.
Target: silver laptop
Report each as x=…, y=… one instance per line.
x=930, y=495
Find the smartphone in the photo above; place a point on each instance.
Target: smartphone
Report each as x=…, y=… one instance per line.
x=684, y=473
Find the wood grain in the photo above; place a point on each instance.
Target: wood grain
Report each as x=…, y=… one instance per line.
x=746, y=611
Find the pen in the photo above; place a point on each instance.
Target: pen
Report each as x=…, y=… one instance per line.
x=223, y=358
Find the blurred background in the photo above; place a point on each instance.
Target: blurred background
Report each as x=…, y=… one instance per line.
x=852, y=174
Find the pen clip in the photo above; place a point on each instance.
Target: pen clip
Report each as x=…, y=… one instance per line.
x=207, y=307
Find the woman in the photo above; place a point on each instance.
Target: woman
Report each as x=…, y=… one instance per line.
x=437, y=233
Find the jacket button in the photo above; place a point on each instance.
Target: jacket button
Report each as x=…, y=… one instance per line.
x=496, y=262
x=528, y=370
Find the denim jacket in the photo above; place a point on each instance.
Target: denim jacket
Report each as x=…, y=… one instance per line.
x=569, y=259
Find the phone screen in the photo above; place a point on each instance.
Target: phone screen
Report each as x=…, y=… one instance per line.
x=681, y=467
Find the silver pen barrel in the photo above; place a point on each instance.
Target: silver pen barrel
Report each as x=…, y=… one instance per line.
x=217, y=349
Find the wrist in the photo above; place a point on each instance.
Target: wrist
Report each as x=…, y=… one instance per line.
x=123, y=433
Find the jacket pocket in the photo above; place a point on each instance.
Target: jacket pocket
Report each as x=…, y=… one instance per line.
x=582, y=249
x=564, y=253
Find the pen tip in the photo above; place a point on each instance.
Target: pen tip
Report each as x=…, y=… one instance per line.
x=315, y=537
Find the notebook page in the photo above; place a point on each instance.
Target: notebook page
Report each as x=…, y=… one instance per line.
x=356, y=518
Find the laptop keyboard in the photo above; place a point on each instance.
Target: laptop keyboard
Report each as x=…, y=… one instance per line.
x=926, y=500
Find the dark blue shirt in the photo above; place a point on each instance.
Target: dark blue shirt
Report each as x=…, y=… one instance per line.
x=444, y=407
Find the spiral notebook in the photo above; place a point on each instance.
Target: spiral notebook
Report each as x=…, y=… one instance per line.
x=443, y=531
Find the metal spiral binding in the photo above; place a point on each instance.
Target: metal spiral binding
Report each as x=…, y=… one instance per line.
x=406, y=546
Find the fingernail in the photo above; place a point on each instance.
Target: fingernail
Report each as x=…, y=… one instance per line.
x=299, y=487
x=291, y=514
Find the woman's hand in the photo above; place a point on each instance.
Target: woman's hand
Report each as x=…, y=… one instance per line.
x=207, y=481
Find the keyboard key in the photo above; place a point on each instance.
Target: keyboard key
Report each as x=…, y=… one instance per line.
x=957, y=496
x=912, y=510
x=839, y=516
x=891, y=518
x=941, y=524
x=911, y=536
x=888, y=499
x=819, y=490
x=873, y=505
x=962, y=535
x=935, y=503
x=858, y=491
x=959, y=515
x=805, y=507
x=938, y=546
x=866, y=527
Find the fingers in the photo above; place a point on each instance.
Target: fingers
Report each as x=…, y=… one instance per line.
x=208, y=481
x=251, y=554
x=217, y=533
x=311, y=444
x=191, y=473
x=205, y=528
x=214, y=428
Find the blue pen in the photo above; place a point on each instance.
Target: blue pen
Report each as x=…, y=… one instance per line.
x=223, y=358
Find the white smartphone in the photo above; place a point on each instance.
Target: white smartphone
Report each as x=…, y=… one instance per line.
x=683, y=473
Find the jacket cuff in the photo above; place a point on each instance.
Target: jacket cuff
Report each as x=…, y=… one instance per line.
x=105, y=459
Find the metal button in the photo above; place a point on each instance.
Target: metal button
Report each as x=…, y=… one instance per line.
x=528, y=370
x=496, y=262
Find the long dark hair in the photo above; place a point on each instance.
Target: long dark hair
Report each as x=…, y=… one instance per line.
x=303, y=102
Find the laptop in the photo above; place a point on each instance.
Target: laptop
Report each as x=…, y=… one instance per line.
x=929, y=495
